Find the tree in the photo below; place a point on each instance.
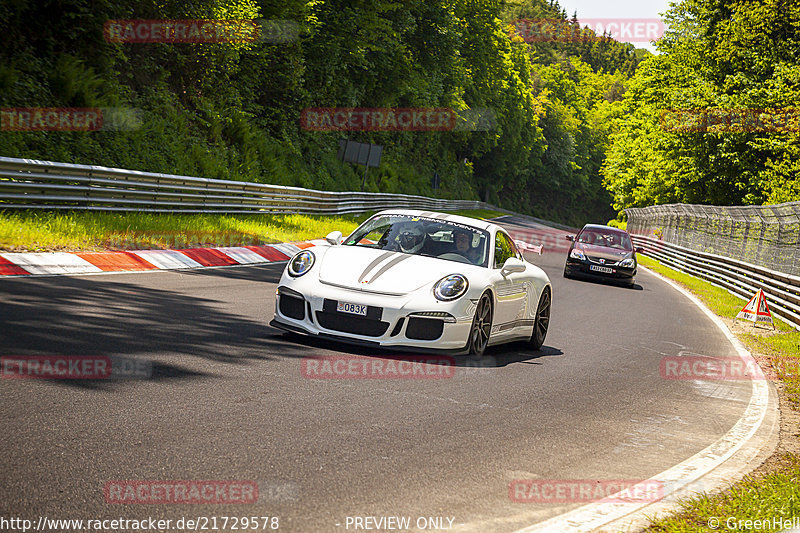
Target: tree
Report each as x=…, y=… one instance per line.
x=717, y=58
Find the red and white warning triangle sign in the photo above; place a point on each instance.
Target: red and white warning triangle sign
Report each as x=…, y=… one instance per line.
x=757, y=309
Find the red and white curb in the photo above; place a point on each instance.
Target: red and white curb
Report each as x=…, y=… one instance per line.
x=55, y=263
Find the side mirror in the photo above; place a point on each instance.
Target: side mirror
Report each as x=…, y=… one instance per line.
x=511, y=265
x=639, y=250
x=334, y=238
x=570, y=237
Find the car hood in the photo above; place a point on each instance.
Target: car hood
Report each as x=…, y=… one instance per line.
x=604, y=252
x=385, y=272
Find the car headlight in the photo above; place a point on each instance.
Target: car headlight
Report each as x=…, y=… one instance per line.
x=577, y=254
x=628, y=263
x=450, y=287
x=301, y=263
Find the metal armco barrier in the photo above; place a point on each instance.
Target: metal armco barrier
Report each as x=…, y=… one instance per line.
x=765, y=235
x=31, y=184
x=738, y=277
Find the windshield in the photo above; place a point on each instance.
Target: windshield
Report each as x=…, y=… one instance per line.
x=608, y=239
x=417, y=235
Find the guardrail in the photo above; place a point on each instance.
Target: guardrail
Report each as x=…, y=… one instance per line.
x=32, y=184
x=766, y=235
x=738, y=277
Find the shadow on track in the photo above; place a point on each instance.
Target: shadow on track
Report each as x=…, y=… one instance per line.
x=266, y=273
x=100, y=316
x=296, y=345
x=607, y=282
x=104, y=316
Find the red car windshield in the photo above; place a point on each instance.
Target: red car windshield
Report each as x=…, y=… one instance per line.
x=607, y=239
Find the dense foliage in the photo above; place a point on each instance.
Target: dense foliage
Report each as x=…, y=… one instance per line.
x=232, y=111
x=724, y=56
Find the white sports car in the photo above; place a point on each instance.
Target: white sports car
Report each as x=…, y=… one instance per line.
x=416, y=280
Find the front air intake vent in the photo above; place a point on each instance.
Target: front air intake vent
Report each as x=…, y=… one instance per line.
x=292, y=307
x=424, y=329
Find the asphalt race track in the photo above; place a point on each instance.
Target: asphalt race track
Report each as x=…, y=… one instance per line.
x=227, y=401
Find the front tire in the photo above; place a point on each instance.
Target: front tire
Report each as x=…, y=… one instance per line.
x=542, y=321
x=481, y=326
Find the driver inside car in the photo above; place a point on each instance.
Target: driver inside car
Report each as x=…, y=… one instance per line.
x=463, y=241
x=409, y=238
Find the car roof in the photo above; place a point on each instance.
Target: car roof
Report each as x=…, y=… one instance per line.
x=604, y=228
x=446, y=217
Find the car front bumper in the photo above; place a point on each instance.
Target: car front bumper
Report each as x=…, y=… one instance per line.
x=583, y=267
x=391, y=321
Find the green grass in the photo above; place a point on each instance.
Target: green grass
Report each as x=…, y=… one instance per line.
x=81, y=231
x=775, y=493
x=40, y=231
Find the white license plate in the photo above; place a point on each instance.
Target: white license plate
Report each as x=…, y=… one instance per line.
x=355, y=309
x=604, y=270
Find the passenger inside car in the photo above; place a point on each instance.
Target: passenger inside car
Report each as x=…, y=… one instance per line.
x=463, y=246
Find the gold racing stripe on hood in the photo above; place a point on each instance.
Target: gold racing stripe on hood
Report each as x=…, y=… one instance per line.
x=373, y=264
x=387, y=266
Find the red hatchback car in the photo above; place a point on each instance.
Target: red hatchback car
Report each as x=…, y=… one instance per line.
x=602, y=252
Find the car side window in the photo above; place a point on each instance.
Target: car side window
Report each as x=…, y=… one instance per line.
x=503, y=249
x=516, y=251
